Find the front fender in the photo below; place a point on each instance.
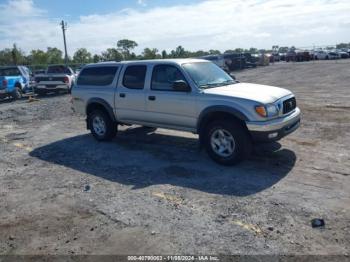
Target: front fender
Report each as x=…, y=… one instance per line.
x=217, y=109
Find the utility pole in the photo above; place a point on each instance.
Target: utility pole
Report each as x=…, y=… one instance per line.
x=64, y=28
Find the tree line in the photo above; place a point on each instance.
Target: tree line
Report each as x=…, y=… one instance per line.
x=123, y=51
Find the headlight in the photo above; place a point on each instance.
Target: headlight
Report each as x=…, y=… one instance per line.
x=268, y=110
x=272, y=110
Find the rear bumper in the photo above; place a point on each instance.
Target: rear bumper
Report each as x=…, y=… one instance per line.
x=5, y=92
x=49, y=88
x=275, y=129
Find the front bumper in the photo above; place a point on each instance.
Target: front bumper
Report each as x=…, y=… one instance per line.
x=275, y=129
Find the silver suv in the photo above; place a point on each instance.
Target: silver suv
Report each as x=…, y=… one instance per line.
x=185, y=94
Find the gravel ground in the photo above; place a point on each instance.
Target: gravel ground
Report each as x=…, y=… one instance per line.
x=156, y=192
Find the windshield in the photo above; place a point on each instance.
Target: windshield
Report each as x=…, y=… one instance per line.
x=58, y=70
x=208, y=75
x=9, y=71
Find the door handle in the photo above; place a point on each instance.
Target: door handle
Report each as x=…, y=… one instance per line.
x=122, y=95
x=152, y=98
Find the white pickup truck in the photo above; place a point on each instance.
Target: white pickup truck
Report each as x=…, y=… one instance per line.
x=57, y=78
x=185, y=94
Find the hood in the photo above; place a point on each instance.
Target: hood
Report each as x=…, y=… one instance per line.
x=260, y=93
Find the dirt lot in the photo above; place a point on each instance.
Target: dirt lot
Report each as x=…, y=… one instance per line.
x=61, y=192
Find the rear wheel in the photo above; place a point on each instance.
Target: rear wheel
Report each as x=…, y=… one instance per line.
x=17, y=93
x=227, y=143
x=101, y=125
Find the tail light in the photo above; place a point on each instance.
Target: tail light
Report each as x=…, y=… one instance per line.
x=4, y=83
x=66, y=80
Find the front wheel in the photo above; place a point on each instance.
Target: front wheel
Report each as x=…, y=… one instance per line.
x=101, y=125
x=227, y=143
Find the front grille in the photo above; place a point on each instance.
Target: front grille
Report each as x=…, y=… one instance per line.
x=289, y=105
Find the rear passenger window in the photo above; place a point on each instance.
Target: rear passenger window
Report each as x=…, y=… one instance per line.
x=97, y=76
x=134, y=77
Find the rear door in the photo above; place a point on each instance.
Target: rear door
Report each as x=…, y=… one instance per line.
x=130, y=97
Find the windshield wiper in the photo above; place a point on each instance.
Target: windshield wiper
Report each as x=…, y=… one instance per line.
x=229, y=82
x=225, y=83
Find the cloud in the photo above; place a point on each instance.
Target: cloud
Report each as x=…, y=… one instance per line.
x=142, y=2
x=210, y=24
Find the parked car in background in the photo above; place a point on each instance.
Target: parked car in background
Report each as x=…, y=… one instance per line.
x=298, y=56
x=342, y=54
x=39, y=72
x=282, y=56
x=235, y=61
x=14, y=81
x=218, y=60
x=333, y=55
x=275, y=57
x=57, y=78
x=250, y=60
x=321, y=55
x=303, y=56
x=291, y=56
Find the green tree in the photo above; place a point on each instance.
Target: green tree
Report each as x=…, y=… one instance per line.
x=149, y=53
x=54, y=55
x=112, y=54
x=164, y=54
x=96, y=58
x=214, y=52
x=239, y=50
x=283, y=49
x=343, y=45
x=179, y=52
x=199, y=53
x=82, y=56
x=17, y=55
x=253, y=50
x=6, y=56
x=125, y=46
x=38, y=57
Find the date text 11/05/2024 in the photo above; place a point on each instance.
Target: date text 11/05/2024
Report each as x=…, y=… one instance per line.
x=173, y=258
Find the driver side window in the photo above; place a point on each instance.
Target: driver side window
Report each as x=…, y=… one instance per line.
x=164, y=76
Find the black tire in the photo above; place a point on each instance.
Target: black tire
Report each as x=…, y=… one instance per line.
x=17, y=93
x=69, y=90
x=110, y=126
x=40, y=92
x=242, y=141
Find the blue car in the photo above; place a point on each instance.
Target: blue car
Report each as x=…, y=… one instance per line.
x=14, y=81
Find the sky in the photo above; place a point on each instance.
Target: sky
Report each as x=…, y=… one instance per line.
x=165, y=24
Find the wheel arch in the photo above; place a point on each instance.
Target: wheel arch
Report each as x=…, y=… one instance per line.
x=101, y=104
x=18, y=84
x=219, y=112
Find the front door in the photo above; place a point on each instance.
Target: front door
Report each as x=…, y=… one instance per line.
x=166, y=106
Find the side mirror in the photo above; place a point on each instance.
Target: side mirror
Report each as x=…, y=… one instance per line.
x=181, y=85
